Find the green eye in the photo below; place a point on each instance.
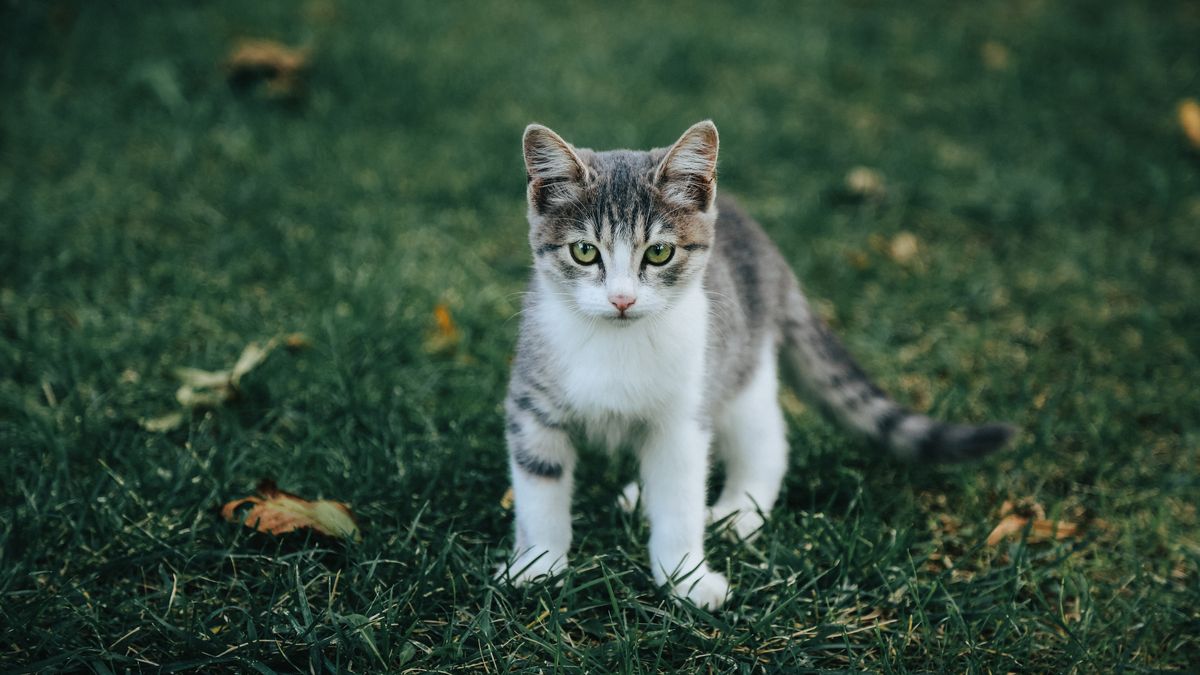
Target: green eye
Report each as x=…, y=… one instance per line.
x=584, y=253
x=659, y=254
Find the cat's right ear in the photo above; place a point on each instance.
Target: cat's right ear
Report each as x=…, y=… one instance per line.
x=553, y=169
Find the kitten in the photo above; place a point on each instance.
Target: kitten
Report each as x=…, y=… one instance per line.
x=656, y=317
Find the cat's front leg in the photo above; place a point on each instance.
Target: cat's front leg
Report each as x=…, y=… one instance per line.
x=542, y=461
x=674, y=471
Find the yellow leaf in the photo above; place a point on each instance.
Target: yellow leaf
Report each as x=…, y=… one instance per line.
x=903, y=247
x=444, y=337
x=506, y=502
x=297, y=341
x=1189, y=120
x=280, y=66
x=277, y=512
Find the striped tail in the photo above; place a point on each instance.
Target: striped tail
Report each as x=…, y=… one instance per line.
x=837, y=384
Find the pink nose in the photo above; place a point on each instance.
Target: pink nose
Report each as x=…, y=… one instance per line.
x=622, y=302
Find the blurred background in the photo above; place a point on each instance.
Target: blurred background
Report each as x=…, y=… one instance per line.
x=996, y=204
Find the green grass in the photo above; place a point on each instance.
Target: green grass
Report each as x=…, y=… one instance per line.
x=151, y=217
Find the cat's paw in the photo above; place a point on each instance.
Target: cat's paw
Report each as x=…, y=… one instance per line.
x=737, y=524
x=531, y=568
x=705, y=589
x=628, y=499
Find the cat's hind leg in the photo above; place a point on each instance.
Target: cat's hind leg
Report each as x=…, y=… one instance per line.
x=751, y=441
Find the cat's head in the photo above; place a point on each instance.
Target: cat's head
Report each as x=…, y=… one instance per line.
x=621, y=235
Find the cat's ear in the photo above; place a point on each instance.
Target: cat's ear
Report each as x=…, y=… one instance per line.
x=555, y=173
x=687, y=175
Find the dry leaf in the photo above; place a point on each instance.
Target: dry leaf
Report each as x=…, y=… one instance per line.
x=208, y=388
x=1008, y=526
x=1041, y=530
x=903, y=247
x=277, y=512
x=297, y=341
x=1189, y=120
x=211, y=388
x=202, y=379
x=251, y=356
x=506, y=502
x=444, y=336
x=189, y=397
x=1024, y=507
x=163, y=423
x=280, y=66
x=865, y=183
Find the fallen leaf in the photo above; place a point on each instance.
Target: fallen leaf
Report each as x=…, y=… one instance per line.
x=903, y=247
x=1040, y=530
x=202, y=379
x=297, y=341
x=444, y=337
x=211, y=388
x=251, y=356
x=865, y=183
x=1189, y=120
x=208, y=388
x=280, y=66
x=1009, y=525
x=163, y=423
x=1027, y=507
x=277, y=512
x=190, y=397
x=506, y=502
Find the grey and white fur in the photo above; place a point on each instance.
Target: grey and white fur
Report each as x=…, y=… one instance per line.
x=656, y=316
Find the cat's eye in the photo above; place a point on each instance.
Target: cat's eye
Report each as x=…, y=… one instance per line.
x=584, y=253
x=659, y=254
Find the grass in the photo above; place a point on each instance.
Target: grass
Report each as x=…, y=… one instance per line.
x=151, y=217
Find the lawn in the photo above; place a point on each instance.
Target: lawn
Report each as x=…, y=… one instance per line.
x=152, y=217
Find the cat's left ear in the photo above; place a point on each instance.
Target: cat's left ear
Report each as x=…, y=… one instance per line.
x=687, y=175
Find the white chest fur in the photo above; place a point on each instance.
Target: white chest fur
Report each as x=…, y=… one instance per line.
x=628, y=373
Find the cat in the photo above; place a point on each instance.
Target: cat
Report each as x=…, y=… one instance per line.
x=657, y=316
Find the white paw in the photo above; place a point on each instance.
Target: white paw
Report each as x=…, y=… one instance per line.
x=705, y=589
x=628, y=499
x=530, y=567
x=737, y=524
